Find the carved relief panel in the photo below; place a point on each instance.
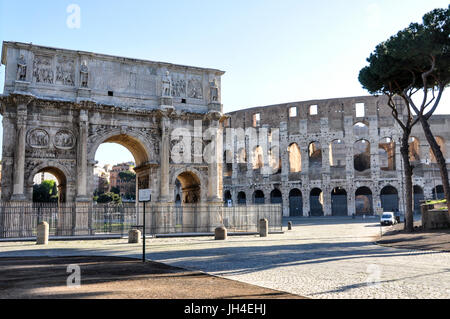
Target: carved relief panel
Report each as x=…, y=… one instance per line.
x=178, y=85
x=43, y=69
x=64, y=140
x=65, y=71
x=38, y=138
x=195, y=87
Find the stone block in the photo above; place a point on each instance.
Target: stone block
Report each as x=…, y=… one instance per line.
x=221, y=233
x=263, y=228
x=42, y=233
x=134, y=236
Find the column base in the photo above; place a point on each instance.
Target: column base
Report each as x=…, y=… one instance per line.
x=215, y=200
x=82, y=199
x=165, y=199
x=18, y=198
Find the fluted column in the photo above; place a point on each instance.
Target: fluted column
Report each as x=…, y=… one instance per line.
x=19, y=166
x=214, y=162
x=165, y=160
x=82, y=161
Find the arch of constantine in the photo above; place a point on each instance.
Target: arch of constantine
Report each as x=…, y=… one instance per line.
x=59, y=105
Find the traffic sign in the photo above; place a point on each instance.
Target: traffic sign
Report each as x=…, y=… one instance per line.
x=145, y=195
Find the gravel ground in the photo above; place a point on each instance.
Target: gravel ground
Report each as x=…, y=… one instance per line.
x=319, y=258
x=117, y=278
x=436, y=240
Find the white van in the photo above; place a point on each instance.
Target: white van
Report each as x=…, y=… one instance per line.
x=388, y=218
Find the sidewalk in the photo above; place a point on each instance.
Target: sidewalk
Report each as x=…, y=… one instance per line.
x=435, y=240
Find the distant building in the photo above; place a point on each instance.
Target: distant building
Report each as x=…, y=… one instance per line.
x=125, y=187
x=101, y=178
x=39, y=178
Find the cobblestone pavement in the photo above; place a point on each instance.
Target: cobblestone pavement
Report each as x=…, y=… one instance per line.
x=319, y=258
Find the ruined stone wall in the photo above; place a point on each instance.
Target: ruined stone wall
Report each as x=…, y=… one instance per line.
x=330, y=126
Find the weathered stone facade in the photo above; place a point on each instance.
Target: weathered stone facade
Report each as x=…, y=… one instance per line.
x=59, y=105
x=338, y=157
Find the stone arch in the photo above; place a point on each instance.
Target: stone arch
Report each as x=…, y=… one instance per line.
x=315, y=152
x=295, y=202
x=361, y=155
x=275, y=161
x=258, y=197
x=258, y=158
x=316, y=202
x=57, y=170
x=337, y=153
x=295, y=158
x=241, y=160
x=386, y=153
x=131, y=140
x=227, y=196
x=276, y=197
x=227, y=163
x=339, y=202
x=419, y=196
x=414, y=149
x=190, y=188
x=315, y=159
x=361, y=129
x=363, y=201
x=242, y=198
x=438, y=192
x=389, y=199
x=193, y=185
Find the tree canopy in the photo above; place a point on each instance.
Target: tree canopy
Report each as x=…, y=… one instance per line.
x=46, y=192
x=417, y=57
x=108, y=198
x=127, y=176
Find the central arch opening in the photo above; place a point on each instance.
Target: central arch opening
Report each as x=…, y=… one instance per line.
x=120, y=169
x=190, y=187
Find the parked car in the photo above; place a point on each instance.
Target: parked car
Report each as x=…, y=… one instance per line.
x=388, y=218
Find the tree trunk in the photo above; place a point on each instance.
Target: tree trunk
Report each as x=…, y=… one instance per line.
x=409, y=216
x=439, y=158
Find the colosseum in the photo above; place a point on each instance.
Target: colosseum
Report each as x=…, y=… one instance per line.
x=336, y=157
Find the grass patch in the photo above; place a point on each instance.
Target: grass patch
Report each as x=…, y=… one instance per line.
x=434, y=202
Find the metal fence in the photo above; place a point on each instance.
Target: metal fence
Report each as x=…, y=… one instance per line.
x=20, y=220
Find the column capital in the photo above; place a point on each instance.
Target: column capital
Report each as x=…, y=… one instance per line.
x=214, y=117
x=22, y=101
x=84, y=115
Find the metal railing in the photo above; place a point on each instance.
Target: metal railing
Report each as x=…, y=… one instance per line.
x=20, y=220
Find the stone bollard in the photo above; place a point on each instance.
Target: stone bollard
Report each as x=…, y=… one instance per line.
x=134, y=236
x=42, y=234
x=289, y=225
x=263, y=228
x=221, y=233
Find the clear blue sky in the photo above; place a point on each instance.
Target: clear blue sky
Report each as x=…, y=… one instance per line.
x=273, y=51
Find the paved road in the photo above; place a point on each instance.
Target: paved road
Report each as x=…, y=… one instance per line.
x=320, y=258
